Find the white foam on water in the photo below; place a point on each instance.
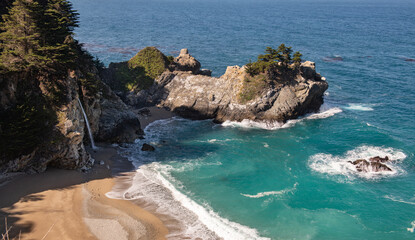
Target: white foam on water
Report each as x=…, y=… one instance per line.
x=272, y=193
x=395, y=199
x=340, y=165
x=152, y=183
x=359, y=107
x=411, y=229
x=325, y=112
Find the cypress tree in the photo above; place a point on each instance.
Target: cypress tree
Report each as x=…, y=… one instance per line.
x=58, y=23
x=20, y=37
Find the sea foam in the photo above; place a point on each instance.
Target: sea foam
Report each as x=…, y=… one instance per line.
x=340, y=165
x=359, y=107
x=272, y=193
x=325, y=112
x=153, y=184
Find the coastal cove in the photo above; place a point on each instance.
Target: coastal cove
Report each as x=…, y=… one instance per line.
x=199, y=137
x=288, y=182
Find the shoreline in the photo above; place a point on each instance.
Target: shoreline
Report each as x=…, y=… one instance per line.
x=71, y=204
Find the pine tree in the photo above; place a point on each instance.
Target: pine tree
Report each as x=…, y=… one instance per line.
x=20, y=37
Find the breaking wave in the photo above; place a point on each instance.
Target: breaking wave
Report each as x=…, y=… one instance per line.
x=324, y=112
x=153, y=184
x=340, y=165
x=359, y=107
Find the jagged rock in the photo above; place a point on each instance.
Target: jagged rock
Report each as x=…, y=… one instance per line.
x=202, y=97
x=362, y=165
x=147, y=148
x=379, y=159
x=117, y=122
x=185, y=62
x=110, y=120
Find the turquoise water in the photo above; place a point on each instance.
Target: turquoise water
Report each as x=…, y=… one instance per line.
x=292, y=182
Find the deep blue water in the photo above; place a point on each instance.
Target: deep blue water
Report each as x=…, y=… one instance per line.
x=290, y=183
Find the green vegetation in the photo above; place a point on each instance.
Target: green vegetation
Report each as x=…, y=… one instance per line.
x=275, y=62
x=140, y=71
x=37, y=50
x=37, y=36
x=252, y=87
x=274, y=67
x=24, y=126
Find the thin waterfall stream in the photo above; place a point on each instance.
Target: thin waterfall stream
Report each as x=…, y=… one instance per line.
x=87, y=125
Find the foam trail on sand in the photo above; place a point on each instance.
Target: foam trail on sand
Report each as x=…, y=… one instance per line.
x=272, y=193
x=340, y=165
x=325, y=112
x=153, y=184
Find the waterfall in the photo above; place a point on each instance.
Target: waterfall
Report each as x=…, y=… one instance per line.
x=87, y=125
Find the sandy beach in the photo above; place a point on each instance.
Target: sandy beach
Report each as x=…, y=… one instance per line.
x=65, y=204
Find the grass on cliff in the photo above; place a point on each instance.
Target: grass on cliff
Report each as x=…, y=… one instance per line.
x=141, y=70
x=252, y=87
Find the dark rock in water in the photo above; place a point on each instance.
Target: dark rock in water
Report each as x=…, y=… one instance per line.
x=144, y=112
x=333, y=59
x=363, y=165
x=205, y=72
x=379, y=159
x=147, y=147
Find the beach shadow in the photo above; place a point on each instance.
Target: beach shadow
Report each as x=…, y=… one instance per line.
x=29, y=188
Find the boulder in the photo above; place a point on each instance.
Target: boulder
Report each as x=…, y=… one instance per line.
x=147, y=148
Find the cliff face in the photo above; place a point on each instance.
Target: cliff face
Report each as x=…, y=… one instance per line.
x=199, y=96
x=60, y=142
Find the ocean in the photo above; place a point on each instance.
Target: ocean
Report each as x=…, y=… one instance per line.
x=252, y=180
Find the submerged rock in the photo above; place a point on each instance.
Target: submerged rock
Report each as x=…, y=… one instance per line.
x=147, y=148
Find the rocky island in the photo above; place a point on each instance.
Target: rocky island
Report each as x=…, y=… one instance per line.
x=277, y=94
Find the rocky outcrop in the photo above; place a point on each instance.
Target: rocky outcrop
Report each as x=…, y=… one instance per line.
x=185, y=62
x=117, y=123
x=202, y=97
x=375, y=164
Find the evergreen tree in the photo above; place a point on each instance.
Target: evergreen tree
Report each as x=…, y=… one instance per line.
x=20, y=37
x=297, y=58
x=58, y=24
x=284, y=55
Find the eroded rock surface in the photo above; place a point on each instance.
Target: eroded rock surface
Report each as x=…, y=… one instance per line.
x=198, y=96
